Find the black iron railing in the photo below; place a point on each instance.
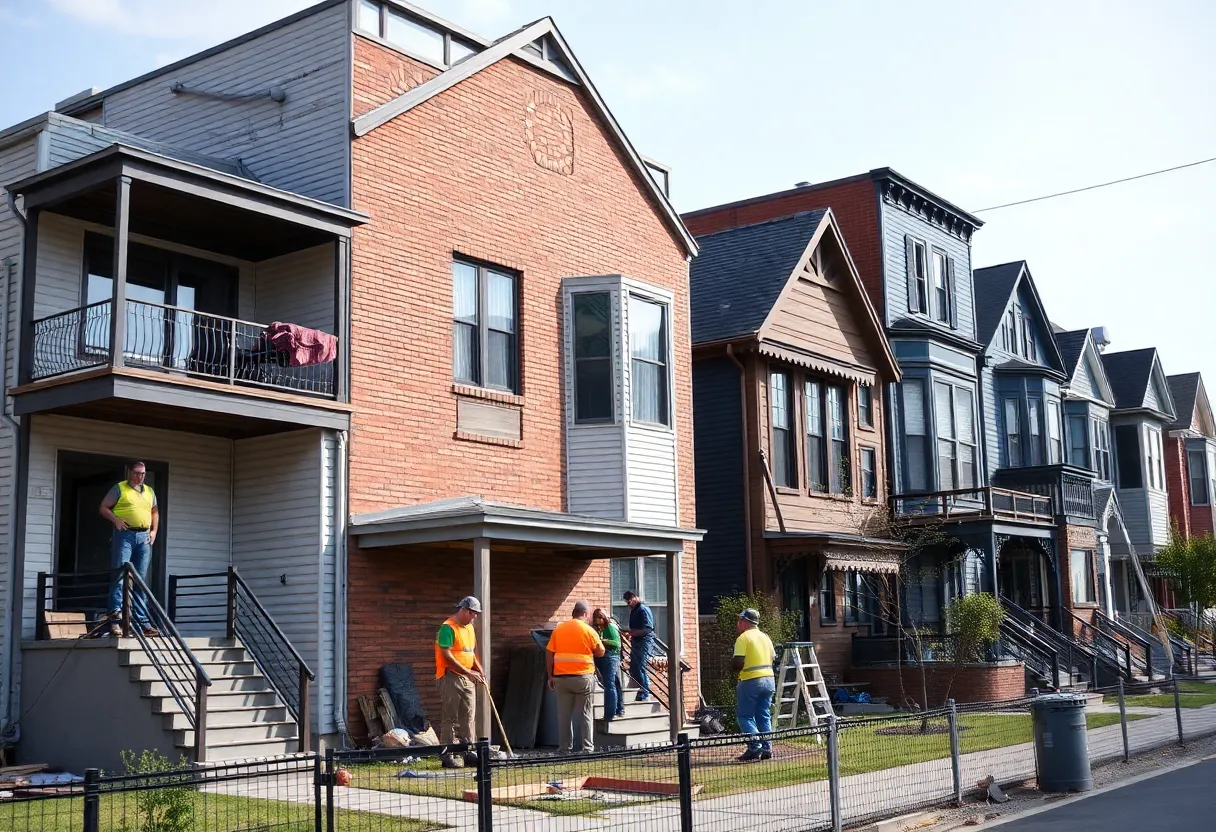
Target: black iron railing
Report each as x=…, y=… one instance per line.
x=1140, y=644
x=908, y=648
x=1021, y=643
x=1079, y=659
x=176, y=340
x=1070, y=489
x=1108, y=646
x=209, y=601
x=975, y=503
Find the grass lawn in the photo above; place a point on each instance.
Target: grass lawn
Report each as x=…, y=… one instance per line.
x=1190, y=695
x=211, y=813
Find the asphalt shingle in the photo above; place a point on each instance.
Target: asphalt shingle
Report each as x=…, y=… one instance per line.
x=994, y=287
x=1184, y=387
x=1071, y=345
x=1128, y=374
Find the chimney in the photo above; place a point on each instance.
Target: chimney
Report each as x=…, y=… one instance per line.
x=1101, y=338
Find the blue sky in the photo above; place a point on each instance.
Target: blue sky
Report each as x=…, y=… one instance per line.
x=983, y=105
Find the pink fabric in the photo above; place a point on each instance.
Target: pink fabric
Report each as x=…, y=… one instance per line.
x=304, y=347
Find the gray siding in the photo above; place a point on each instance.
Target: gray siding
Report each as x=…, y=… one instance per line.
x=300, y=145
x=1151, y=399
x=298, y=288
x=595, y=471
x=1083, y=382
x=1159, y=518
x=651, y=468
x=993, y=417
x=896, y=225
x=60, y=265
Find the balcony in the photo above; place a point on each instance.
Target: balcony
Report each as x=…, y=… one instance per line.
x=1070, y=489
x=987, y=503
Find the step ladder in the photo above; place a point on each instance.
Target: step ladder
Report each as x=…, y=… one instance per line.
x=800, y=686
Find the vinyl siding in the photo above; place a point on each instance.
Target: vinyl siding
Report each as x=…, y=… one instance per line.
x=298, y=288
x=651, y=468
x=1159, y=517
x=1150, y=397
x=1134, y=502
x=282, y=528
x=896, y=225
x=993, y=419
x=195, y=502
x=60, y=265
x=1083, y=383
x=718, y=443
x=300, y=145
x=595, y=471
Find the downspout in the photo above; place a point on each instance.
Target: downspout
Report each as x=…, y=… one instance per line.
x=340, y=584
x=747, y=477
x=14, y=579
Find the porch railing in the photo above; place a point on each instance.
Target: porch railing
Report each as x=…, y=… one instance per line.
x=175, y=663
x=172, y=339
x=658, y=672
x=1104, y=644
x=1075, y=657
x=975, y=503
x=1071, y=489
x=206, y=602
x=906, y=649
x=1139, y=643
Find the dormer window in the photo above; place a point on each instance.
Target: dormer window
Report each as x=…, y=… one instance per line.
x=412, y=35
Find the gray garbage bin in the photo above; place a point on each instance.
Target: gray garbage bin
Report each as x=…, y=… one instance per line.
x=1061, y=746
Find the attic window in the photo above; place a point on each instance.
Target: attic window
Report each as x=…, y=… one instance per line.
x=412, y=35
x=547, y=51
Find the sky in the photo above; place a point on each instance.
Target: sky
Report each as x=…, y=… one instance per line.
x=981, y=104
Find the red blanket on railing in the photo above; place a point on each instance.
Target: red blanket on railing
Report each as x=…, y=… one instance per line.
x=304, y=347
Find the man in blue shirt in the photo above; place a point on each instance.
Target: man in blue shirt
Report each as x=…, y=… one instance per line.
x=641, y=635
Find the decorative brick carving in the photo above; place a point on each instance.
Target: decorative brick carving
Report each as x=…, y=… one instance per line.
x=549, y=129
x=404, y=78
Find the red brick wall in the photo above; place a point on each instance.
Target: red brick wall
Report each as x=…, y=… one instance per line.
x=456, y=174
x=855, y=204
x=972, y=683
x=1077, y=537
x=1178, y=486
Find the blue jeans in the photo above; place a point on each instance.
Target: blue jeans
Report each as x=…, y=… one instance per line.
x=639, y=658
x=609, y=667
x=753, y=702
x=134, y=548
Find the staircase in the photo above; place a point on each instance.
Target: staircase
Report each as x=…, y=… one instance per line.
x=245, y=716
x=1099, y=663
x=643, y=723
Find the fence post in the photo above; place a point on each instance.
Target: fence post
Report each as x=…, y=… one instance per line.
x=1178, y=711
x=684, y=766
x=92, y=800
x=1123, y=721
x=955, y=760
x=317, y=823
x=485, y=799
x=834, y=773
x=331, y=777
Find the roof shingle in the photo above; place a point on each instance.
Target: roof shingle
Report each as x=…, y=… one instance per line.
x=1071, y=345
x=1128, y=374
x=1184, y=387
x=994, y=286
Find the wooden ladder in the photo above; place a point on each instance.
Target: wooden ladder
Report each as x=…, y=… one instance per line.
x=800, y=686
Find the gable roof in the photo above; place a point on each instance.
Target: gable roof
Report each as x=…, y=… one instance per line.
x=1071, y=346
x=994, y=287
x=1130, y=373
x=505, y=47
x=1074, y=346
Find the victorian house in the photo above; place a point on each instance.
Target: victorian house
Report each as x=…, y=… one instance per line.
x=1190, y=459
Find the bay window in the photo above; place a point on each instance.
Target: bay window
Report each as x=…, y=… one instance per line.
x=593, y=383
x=1013, y=432
x=649, y=360
x=1055, y=442
x=1156, y=471
x=1034, y=409
x=1100, y=436
x=1198, y=477
x=956, y=457
x=1078, y=450
x=916, y=468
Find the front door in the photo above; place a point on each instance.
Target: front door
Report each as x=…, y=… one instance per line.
x=1021, y=579
x=794, y=596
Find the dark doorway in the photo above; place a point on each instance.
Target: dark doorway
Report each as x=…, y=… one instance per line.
x=795, y=595
x=1022, y=579
x=83, y=535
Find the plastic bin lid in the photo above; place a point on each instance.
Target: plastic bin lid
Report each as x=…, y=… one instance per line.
x=1058, y=701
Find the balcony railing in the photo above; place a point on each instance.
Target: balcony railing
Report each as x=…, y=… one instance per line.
x=974, y=504
x=1071, y=489
x=174, y=340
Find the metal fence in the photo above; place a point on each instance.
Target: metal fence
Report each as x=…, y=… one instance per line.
x=841, y=773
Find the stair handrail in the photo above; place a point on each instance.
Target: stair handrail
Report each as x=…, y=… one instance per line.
x=662, y=690
x=1108, y=645
x=1020, y=632
x=1063, y=643
x=158, y=618
x=1125, y=632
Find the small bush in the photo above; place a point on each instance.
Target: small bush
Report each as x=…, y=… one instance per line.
x=976, y=622
x=163, y=804
x=719, y=641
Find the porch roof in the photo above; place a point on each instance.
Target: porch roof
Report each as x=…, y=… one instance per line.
x=472, y=517
x=844, y=552
x=188, y=203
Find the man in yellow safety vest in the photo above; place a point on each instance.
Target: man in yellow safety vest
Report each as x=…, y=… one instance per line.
x=458, y=672
x=131, y=508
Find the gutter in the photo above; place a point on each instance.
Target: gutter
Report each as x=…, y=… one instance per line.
x=340, y=586
x=747, y=478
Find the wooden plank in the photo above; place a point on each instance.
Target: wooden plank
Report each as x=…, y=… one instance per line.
x=388, y=713
x=375, y=727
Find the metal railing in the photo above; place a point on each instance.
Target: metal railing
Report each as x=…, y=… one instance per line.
x=1038, y=655
x=931, y=648
x=1139, y=643
x=975, y=503
x=172, y=339
x=1106, y=645
x=657, y=671
x=1071, y=489
x=210, y=600
x=1089, y=664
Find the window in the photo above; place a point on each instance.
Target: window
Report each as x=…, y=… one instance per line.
x=1100, y=436
x=783, y=445
x=652, y=587
x=944, y=303
x=593, y=394
x=1211, y=472
x=839, y=473
x=1127, y=447
x=955, y=413
x=410, y=34
x=918, y=279
x=1078, y=450
x=1156, y=473
x=1029, y=351
x=1081, y=563
x=368, y=18
x=865, y=405
x=1013, y=432
x=1034, y=408
x=1011, y=331
x=869, y=474
x=1055, y=443
x=816, y=447
x=850, y=597
x=648, y=347
x=1198, y=476
x=827, y=596
x=485, y=351
x=916, y=471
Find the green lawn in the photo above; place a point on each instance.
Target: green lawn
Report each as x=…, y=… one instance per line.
x=211, y=813
x=1190, y=695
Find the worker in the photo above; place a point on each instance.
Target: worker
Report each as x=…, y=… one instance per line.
x=641, y=641
x=753, y=661
x=570, y=664
x=458, y=672
x=131, y=509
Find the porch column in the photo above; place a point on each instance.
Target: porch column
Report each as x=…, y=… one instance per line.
x=118, y=299
x=481, y=588
x=675, y=645
x=993, y=556
x=29, y=289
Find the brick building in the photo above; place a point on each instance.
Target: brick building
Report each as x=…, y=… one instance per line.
x=1190, y=457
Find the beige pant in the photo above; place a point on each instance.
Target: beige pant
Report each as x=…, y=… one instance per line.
x=574, y=706
x=456, y=720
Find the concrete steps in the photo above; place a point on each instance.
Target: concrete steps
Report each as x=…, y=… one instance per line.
x=644, y=723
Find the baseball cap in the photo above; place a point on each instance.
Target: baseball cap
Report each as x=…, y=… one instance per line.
x=469, y=603
x=750, y=615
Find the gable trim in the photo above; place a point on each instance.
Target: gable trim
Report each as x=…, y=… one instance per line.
x=1055, y=359
x=1096, y=372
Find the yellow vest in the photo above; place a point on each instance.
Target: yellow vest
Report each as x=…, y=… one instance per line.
x=757, y=651
x=134, y=507
x=464, y=647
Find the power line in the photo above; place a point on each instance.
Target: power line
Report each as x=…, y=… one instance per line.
x=1094, y=187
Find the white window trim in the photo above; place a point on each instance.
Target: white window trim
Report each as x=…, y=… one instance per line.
x=654, y=295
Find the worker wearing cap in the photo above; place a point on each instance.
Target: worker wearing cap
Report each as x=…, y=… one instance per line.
x=458, y=672
x=570, y=662
x=753, y=661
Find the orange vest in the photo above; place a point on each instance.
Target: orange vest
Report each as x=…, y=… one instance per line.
x=464, y=646
x=571, y=645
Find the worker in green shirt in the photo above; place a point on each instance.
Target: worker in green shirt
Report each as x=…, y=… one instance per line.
x=609, y=665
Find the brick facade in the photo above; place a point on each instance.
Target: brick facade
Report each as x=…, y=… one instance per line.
x=1077, y=537
x=970, y=683
x=459, y=174
x=1178, y=486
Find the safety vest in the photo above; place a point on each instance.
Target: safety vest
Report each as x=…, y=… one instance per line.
x=572, y=644
x=134, y=507
x=464, y=647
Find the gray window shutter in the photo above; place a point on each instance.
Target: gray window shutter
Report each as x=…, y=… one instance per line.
x=913, y=297
x=952, y=287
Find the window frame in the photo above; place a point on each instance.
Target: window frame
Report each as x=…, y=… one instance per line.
x=1055, y=433
x=784, y=475
x=918, y=275
x=1132, y=457
x=852, y=592
x=955, y=437
x=865, y=406
x=1103, y=459
x=840, y=461
x=1090, y=595
x=381, y=34
x=1036, y=444
x=827, y=612
x=943, y=295
x=835, y=462
x=905, y=385
x=1156, y=458
x=639, y=573
x=611, y=419
x=1084, y=458
x=482, y=271
x=1013, y=438
x=869, y=479
x=816, y=443
x=665, y=339
x=1203, y=477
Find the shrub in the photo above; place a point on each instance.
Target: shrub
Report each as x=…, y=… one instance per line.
x=975, y=621
x=718, y=640
x=163, y=803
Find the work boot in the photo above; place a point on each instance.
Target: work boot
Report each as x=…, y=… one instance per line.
x=150, y=631
x=749, y=755
x=115, y=630
x=451, y=761
x=470, y=759
x=766, y=754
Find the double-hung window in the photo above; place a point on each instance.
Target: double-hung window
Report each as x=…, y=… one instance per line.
x=1078, y=450
x=649, y=360
x=955, y=411
x=593, y=382
x=1055, y=443
x=1011, y=331
x=943, y=303
x=1100, y=436
x=1013, y=432
x=918, y=277
x=1127, y=448
x=869, y=474
x=783, y=436
x=485, y=352
x=1156, y=473
x=827, y=596
x=1081, y=575
x=865, y=405
x=916, y=468
x=1034, y=409
x=827, y=457
x=816, y=441
x=838, y=460
x=851, y=597
x=1198, y=477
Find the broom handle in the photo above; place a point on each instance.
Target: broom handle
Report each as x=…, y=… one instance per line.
x=497, y=718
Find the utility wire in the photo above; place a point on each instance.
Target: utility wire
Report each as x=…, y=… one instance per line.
x=1094, y=187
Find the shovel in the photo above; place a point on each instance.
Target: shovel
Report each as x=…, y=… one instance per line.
x=497, y=719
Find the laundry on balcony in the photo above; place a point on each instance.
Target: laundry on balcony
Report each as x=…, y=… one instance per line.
x=301, y=346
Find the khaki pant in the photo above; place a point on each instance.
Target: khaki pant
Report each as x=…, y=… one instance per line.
x=456, y=719
x=574, y=706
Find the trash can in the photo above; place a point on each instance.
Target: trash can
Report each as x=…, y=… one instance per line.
x=1061, y=746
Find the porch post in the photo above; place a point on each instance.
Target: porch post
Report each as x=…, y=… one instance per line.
x=29, y=288
x=675, y=645
x=993, y=556
x=118, y=299
x=342, y=320
x=481, y=588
